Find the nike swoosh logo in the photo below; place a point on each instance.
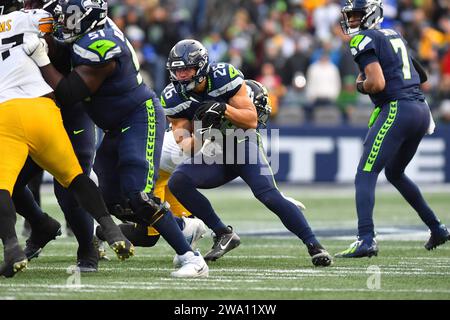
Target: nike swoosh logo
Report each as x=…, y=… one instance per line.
x=77, y=131
x=239, y=141
x=99, y=46
x=223, y=247
x=125, y=129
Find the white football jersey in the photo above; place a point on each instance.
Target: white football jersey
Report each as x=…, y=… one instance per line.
x=19, y=75
x=171, y=154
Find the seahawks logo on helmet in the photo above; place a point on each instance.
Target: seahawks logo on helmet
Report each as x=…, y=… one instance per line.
x=369, y=11
x=78, y=17
x=185, y=54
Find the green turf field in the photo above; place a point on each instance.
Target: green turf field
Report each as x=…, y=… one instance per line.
x=263, y=267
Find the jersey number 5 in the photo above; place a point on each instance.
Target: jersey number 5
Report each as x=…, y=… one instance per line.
x=398, y=44
x=16, y=40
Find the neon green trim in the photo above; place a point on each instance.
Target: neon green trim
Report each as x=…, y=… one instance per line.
x=102, y=46
x=374, y=116
x=380, y=137
x=151, y=137
x=356, y=40
x=233, y=72
x=163, y=102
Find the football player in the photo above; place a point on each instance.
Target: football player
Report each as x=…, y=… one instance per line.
x=391, y=78
x=216, y=94
x=81, y=132
x=106, y=79
x=31, y=124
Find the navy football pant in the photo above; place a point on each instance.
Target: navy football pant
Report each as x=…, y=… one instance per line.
x=81, y=131
x=189, y=176
x=127, y=163
x=390, y=144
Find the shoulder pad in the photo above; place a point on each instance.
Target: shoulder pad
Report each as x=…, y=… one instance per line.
x=362, y=42
x=224, y=78
x=96, y=47
x=174, y=106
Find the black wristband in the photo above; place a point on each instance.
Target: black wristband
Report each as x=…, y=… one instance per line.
x=360, y=87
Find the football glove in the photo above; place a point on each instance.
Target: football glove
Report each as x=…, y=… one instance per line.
x=210, y=113
x=37, y=49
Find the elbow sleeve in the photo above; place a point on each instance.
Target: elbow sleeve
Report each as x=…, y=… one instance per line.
x=71, y=89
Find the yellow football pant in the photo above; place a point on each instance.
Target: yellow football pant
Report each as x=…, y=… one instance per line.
x=162, y=191
x=34, y=127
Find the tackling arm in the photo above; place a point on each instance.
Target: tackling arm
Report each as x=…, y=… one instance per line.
x=182, y=131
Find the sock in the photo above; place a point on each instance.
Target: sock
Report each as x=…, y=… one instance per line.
x=81, y=222
x=180, y=222
x=26, y=205
x=170, y=231
x=365, y=183
x=89, y=197
x=290, y=215
x=7, y=220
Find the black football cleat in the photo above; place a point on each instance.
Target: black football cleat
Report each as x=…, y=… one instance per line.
x=87, y=261
x=437, y=238
x=222, y=244
x=44, y=232
x=319, y=256
x=123, y=248
x=15, y=261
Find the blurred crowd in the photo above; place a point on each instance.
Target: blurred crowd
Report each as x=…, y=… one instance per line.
x=294, y=47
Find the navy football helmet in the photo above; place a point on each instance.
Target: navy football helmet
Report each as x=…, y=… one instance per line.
x=260, y=97
x=371, y=12
x=8, y=6
x=185, y=54
x=78, y=17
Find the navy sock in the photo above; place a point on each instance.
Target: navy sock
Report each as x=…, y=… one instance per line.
x=180, y=222
x=365, y=183
x=413, y=196
x=80, y=221
x=289, y=214
x=170, y=231
x=26, y=205
x=185, y=191
x=7, y=220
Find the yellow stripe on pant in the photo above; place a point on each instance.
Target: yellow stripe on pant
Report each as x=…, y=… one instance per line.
x=34, y=127
x=162, y=191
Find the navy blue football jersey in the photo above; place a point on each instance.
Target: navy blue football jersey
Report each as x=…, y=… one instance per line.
x=224, y=81
x=124, y=91
x=389, y=48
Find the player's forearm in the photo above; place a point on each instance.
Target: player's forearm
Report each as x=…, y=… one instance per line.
x=51, y=75
x=242, y=118
x=68, y=90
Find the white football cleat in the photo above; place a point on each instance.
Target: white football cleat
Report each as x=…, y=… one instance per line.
x=194, y=230
x=192, y=266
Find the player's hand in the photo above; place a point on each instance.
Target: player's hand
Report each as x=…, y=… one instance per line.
x=360, y=77
x=210, y=113
x=36, y=48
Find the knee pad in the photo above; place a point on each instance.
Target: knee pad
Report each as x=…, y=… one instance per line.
x=144, y=209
